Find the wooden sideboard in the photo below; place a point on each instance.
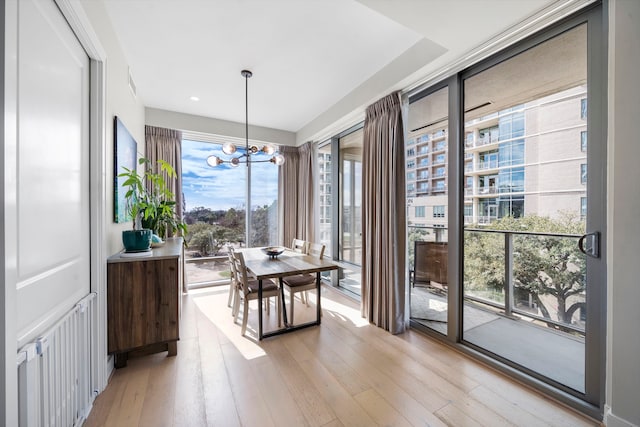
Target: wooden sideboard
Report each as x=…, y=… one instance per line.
x=144, y=301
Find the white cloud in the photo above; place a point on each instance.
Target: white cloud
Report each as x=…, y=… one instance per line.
x=223, y=187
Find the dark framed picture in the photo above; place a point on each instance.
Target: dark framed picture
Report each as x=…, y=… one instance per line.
x=125, y=155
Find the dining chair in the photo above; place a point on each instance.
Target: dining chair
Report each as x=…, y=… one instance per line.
x=299, y=246
x=302, y=282
x=234, y=289
x=248, y=290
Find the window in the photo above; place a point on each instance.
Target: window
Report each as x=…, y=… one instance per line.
x=220, y=211
x=411, y=187
x=440, y=171
x=439, y=159
x=583, y=108
x=583, y=173
x=411, y=152
x=468, y=210
x=583, y=141
x=420, y=211
x=511, y=180
x=411, y=164
x=438, y=211
x=583, y=207
x=488, y=135
x=511, y=153
x=411, y=176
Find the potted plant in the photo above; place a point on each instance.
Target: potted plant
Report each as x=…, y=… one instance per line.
x=152, y=210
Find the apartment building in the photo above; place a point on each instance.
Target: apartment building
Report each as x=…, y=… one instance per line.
x=520, y=160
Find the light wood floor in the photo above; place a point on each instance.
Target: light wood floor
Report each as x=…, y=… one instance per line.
x=342, y=373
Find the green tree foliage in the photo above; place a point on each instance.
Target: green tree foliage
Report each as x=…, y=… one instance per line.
x=542, y=265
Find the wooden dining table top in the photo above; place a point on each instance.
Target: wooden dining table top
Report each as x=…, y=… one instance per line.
x=288, y=263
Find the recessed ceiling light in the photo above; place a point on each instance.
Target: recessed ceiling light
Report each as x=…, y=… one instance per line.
x=194, y=98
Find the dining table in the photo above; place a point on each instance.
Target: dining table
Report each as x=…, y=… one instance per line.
x=288, y=263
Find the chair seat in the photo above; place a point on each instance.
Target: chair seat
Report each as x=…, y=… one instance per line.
x=299, y=280
x=267, y=286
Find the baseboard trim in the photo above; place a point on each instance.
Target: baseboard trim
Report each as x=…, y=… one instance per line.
x=611, y=420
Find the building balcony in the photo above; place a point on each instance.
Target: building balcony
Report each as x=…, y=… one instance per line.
x=491, y=164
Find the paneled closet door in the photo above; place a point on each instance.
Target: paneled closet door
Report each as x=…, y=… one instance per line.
x=52, y=205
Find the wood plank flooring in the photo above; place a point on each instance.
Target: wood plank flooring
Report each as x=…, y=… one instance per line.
x=342, y=373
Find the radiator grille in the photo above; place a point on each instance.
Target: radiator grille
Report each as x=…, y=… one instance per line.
x=54, y=371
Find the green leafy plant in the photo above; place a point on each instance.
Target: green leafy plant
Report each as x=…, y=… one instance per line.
x=152, y=208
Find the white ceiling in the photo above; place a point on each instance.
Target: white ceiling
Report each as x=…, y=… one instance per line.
x=306, y=55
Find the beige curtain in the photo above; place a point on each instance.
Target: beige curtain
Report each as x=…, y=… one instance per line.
x=383, y=215
x=296, y=194
x=166, y=144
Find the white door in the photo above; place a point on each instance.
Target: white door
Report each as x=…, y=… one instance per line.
x=52, y=202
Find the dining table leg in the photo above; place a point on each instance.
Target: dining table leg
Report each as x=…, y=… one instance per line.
x=318, y=308
x=259, y=309
x=284, y=306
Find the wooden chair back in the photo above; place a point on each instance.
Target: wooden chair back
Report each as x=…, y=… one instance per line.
x=299, y=246
x=430, y=262
x=316, y=250
x=241, y=272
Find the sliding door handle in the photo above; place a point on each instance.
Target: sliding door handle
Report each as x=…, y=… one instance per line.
x=589, y=244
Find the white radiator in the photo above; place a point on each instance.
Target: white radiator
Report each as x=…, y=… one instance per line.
x=54, y=371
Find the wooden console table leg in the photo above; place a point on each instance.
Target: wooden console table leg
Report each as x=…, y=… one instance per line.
x=120, y=360
x=172, y=348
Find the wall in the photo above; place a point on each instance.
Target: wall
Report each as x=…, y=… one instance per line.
x=623, y=318
x=189, y=122
x=119, y=102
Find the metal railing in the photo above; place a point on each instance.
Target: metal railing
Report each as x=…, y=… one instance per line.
x=512, y=245
x=207, y=271
x=503, y=298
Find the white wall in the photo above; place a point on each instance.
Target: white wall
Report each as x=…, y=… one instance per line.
x=623, y=318
x=189, y=122
x=120, y=102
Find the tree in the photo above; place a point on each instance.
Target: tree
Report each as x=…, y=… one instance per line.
x=542, y=265
x=260, y=230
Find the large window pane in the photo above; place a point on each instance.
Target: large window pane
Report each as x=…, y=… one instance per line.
x=524, y=277
x=426, y=210
x=350, y=197
x=215, y=201
x=264, y=202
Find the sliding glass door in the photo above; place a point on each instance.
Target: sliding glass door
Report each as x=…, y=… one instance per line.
x=525, y=277
x=523, y=211
x=340, y=206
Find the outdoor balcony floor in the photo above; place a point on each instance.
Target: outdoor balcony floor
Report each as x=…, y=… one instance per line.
x=554, y=354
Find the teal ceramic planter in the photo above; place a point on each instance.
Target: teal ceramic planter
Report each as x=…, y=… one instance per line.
x=136, y=240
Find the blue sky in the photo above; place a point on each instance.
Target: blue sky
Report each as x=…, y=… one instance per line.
x=223, y=187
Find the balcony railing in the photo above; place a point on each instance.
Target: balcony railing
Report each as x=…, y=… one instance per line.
x=207, y=271
x=553, y=295
x=489, y=189
x=491, y=164
x=516, y=273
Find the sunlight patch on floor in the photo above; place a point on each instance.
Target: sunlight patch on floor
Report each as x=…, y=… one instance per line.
x=214, y=306
x=343, y=312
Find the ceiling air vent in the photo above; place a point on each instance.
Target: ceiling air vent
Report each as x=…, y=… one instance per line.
x=132, y=84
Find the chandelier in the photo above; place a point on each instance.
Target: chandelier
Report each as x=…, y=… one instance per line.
x=230, y=148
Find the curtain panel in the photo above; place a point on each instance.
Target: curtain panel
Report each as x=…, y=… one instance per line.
x=296, y=194
x=166, y=144
x=384, y=215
